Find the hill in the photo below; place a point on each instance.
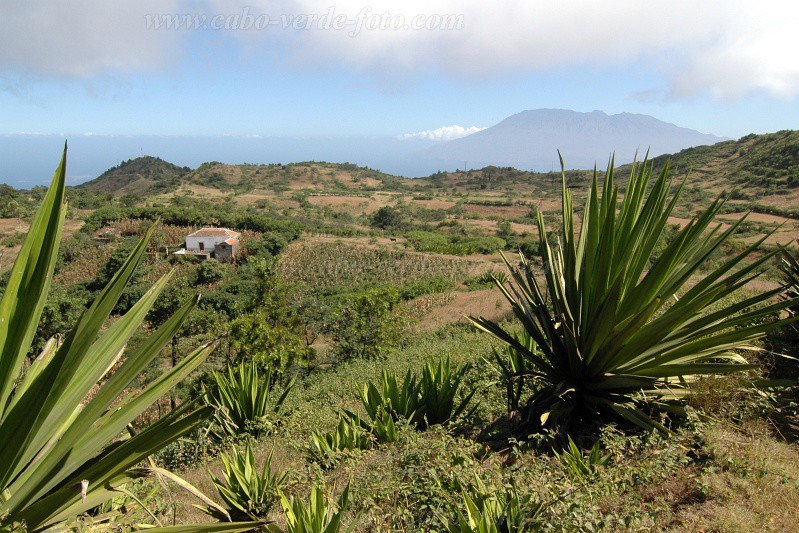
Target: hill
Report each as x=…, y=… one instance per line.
x=531, y=139
x=141, y=176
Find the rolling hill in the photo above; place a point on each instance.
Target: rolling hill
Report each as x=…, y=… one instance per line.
x=141, y=176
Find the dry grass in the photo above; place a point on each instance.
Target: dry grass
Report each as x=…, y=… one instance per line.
x=758, y=490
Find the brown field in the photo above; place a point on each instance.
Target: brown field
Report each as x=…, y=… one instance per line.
x=502, y=211
x=433, y=204
x=11, y=226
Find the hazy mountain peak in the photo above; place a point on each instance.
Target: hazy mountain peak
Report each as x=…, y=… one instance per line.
x=531, y=138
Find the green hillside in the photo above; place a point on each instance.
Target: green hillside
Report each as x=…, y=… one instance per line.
x=141, y=176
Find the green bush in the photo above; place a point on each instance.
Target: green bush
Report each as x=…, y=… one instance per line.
x=365, y=324
x=428, y=241
x=210, y=271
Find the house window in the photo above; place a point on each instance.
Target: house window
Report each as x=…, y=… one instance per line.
x=202, y=246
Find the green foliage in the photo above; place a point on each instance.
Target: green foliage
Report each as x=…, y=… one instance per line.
x=349, y=435
x=60, y=448
x=14, y=203
x=272, y=346
x=315, y=516
x=365, y=324
x=244, y=400
x=578, y=465
x=389, y=218
x=512, y=369
x=614, y=331
x=424, y=402
x=438, y=391
x=496, y=511
x=210, y=271
x=247, y=492
x=428, y=241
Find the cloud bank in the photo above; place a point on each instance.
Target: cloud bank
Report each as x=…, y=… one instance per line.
x=444, y=133
x=724, y=49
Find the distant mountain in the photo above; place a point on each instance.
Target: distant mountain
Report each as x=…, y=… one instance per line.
x=143, y=175
x=531, y=139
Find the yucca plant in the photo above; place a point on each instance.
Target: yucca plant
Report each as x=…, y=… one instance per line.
x=317, y=515
x=424, y=402
x=350, y=434
x=790, y=275
x=244, y=399
x=248, y=492
x=578, y=465
x=495, y=511
x=615, y=333
x=400, y=399
x=438, y=390
x=61, y=451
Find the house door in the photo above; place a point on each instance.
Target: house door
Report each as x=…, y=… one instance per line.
x=202, y=246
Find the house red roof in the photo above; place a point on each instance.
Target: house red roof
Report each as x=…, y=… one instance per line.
x=231, y=241
x=215, y=232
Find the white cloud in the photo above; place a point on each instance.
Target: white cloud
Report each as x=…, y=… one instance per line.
x=444, y=133
x=83, y=38
x=725, y=48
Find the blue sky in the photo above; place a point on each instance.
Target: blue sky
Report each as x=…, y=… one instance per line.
x=94, y=67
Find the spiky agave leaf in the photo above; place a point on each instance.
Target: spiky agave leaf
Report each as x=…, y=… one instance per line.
x=60, y=454
x=611, y=328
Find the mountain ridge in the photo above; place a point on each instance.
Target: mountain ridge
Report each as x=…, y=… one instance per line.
x=530, y=139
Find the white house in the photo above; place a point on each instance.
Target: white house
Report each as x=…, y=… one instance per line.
x=220, y=243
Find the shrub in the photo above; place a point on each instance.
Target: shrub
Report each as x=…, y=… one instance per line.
x=616, y=334
x=210, y=271
x=244, y=400
x=247, y=492
x=365, y=325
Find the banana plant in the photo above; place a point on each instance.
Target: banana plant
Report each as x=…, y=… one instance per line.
x=616, y=334
x=62, y=450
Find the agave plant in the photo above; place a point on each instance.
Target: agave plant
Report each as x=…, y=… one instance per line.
x=511, y=368
x=615, y=332
x=790, y=275
x=63, y=452
x=496, y=511
x=246, y=491
x=439, y=389
x=316, y=516
x=424, y=402
x=350, y=434
x=244, y=399
x=578, y=465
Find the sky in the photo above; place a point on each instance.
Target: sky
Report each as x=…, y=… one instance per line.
x=433, y=69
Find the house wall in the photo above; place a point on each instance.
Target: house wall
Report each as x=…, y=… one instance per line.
x=193, y=243
x=225, y=252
